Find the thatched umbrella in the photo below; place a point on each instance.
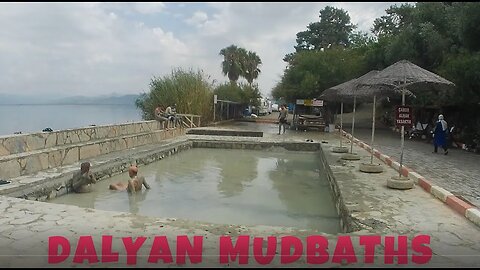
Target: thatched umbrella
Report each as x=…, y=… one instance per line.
x=405, y=75
x=348, y=92
x=331, y=94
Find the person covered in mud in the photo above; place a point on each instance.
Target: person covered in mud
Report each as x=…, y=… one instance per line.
x=82, y=181
x=133, y=185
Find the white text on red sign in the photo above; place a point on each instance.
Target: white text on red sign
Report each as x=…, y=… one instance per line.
x=403, y=109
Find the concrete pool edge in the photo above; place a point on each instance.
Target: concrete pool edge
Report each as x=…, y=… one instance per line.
x=44, y=189
x=23, y=219
x=347, y=222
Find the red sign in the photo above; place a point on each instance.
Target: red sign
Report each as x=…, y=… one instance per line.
x=403, y=116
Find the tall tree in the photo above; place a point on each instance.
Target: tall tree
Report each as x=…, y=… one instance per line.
x=233, y=57
x=251, y=67
x=311, y=72
x=334, y=28
x=396, y=20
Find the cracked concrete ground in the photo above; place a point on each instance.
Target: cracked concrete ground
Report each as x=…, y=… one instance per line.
x=455, y=242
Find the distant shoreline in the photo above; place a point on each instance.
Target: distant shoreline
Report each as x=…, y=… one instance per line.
x=50, y=104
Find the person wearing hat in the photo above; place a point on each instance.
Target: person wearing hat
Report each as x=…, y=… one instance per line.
x=440, y=135
x=134, y=184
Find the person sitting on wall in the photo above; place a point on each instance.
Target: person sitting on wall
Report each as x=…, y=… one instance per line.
x=171, y=113
x=161, y=116
x=82, y=181
x=133, y=185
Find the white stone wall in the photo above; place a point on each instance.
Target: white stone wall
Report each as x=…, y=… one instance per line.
x=30, y=153
x=15, y=144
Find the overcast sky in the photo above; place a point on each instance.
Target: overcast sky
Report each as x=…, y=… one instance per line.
x=103, y=48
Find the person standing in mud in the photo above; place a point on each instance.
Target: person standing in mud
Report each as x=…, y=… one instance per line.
x=133, y=185
x=282, y=119
x=82, y=181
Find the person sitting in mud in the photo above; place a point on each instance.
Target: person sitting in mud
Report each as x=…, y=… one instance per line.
x=134, y=184
x=82, y=181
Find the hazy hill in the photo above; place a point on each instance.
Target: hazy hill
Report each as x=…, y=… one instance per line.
x=7, y=99
x=106, y=100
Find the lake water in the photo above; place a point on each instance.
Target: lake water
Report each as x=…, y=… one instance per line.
x=34, y=118
x=224, y=186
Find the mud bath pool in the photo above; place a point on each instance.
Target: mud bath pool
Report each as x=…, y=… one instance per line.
x=244, y=187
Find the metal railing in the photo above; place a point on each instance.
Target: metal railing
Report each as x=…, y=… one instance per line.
x=189, y=120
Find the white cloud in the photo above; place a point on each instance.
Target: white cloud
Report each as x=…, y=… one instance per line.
x=99, y=48
x=198, y=19
x=82, y=50
x=149, y=7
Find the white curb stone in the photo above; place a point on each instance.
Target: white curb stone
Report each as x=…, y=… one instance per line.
x=440, y=193
x=473, y=215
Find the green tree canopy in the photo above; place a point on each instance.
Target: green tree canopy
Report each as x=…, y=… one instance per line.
x=233, y=59
x=243, y=93
x=311, y=72
x=238, y=62
x=334, y=28
x=251, y=68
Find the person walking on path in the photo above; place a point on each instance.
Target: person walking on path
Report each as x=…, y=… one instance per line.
x=282, y=119
x=440, y=135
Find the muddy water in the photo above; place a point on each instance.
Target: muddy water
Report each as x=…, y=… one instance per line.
x=278, y=188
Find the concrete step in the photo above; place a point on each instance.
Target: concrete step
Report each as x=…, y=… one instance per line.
x=225, y=132
x=26, y=163
x=15, y=144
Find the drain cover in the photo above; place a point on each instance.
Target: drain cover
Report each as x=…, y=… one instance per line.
x=3, y=182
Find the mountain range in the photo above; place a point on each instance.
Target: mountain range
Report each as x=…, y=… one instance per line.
x=113, y=99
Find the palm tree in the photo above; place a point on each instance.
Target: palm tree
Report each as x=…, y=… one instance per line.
x=232, y=62
x=251, y=70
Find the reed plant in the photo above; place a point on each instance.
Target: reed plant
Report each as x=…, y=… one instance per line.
x=191, y=90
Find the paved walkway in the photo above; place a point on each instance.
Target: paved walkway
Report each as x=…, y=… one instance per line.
x=457, y=172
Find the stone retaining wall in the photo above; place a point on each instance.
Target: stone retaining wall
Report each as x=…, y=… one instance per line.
x=14, y=144
x=27, y=163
